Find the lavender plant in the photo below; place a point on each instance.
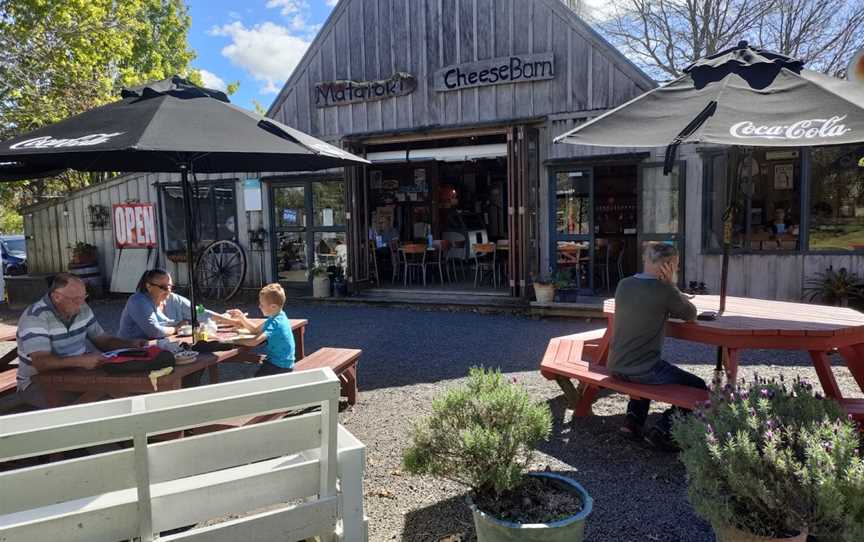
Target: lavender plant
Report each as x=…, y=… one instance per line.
x=773, y=458
x=481, y=435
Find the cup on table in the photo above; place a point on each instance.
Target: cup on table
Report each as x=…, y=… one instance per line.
x=185, y=330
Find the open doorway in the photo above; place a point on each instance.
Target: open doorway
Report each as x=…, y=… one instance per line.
x=437, y=215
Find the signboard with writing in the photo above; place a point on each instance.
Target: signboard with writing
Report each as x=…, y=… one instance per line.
x=347, y=92
x=496, y=71
x=134, y=225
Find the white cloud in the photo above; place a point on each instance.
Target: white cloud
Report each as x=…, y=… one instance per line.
x=211, y=80
x=287, y=7
x=332, y=3
x=267, y=51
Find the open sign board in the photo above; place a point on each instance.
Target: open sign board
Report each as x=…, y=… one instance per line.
x=134, y=225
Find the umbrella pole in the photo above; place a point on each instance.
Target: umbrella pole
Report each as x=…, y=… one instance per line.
x=187, y=218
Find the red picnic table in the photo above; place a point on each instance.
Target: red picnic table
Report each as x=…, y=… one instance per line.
x=746, y=324
x=97, y=384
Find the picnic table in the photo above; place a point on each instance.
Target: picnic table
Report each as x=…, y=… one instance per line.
x=97, y=384
x=8, y=369
x=746, y=324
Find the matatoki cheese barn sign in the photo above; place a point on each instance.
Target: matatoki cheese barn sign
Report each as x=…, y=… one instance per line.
x=134, y=225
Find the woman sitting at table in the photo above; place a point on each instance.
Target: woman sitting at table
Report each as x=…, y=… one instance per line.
x=154, y=311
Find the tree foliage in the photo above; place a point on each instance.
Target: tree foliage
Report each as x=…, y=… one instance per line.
x=61, y=57
x=665, y=36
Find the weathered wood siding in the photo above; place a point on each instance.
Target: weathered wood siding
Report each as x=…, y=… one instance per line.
x=367, y=40
x=53, y=228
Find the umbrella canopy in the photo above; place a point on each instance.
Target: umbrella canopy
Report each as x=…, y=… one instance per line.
x=168, y=126
x=156, y=127
x=741, y=96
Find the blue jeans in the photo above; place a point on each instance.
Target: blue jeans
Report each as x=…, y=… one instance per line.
x=663, y=372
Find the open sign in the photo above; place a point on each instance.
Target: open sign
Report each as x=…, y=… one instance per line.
x=134, y=225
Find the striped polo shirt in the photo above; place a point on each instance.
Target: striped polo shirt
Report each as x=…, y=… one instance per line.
x=42, y=329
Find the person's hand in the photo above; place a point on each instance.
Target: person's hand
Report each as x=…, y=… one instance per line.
x=668, y=272
x=235, y=313
x=91, y=361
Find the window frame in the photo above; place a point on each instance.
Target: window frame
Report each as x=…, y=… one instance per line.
x=803, y=211
x=162, y=187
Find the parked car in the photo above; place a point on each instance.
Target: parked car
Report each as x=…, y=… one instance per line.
x=13, y=249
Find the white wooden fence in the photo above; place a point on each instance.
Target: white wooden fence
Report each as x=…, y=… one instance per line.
x=279, y=478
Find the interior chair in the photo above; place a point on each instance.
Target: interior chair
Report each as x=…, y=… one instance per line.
x=414, y=258
x=484, y=262
x=438, y=258
x=502, y=246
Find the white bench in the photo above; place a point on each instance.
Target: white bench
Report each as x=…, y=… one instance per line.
x=281, y=479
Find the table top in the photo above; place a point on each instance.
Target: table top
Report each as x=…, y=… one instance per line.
x=748, y=316
x=7, y=332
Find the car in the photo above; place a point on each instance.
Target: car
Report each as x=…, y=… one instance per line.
x=13, y=249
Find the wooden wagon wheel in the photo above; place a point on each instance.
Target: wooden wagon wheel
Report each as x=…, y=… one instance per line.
x=220, y=270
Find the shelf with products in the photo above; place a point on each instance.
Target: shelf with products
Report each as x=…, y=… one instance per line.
x=616, y=216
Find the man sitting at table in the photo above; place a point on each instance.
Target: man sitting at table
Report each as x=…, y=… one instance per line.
x=643, y=302
x=52, y=334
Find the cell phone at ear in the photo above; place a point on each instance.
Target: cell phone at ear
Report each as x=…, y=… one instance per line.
x=707, y=316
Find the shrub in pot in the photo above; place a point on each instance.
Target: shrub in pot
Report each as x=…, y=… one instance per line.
x=771, y=461
x=83, y=253
x=482, y=435
x=834, y=287
x=320, y=282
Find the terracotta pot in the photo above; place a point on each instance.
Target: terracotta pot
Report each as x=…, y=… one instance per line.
x=726, y=533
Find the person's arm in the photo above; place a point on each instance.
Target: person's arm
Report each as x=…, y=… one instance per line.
x=46, y=361
x=239, y=316
x=144, y=315
x=680, y=307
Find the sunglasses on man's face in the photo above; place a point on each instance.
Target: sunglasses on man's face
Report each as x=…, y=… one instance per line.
x=163, y=287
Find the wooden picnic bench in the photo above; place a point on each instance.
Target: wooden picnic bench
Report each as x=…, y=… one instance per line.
x=581, y=357
x=746, y=324
x=288, y=467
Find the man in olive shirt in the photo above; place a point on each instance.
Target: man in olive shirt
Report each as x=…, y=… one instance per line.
x=643, y=302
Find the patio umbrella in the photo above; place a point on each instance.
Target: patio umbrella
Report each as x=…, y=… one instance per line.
x=741, y=97
x=168, y=126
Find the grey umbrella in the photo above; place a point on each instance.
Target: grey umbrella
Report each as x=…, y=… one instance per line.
x=743, y=97
x=168, y=126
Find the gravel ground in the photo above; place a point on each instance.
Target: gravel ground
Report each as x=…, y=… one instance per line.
x=411, y=356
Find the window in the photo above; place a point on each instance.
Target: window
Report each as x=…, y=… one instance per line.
x=214, y=211
x=836, y=199
x=766, y=203
x=328, y=201
x=573, y=203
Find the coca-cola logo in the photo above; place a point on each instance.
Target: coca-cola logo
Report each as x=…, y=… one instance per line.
x=803, y=129
x=48, y=142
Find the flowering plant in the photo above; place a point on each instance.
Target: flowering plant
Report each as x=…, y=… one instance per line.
x=773, y=459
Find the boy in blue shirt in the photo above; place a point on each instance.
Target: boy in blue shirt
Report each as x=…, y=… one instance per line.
x=276, y=330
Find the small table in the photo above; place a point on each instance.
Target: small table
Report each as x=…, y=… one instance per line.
x=97, y=384
x=757, y=323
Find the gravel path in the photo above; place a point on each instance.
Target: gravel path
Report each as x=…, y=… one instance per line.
x=411, y=356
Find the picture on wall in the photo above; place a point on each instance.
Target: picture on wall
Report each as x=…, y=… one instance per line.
x=783, y=176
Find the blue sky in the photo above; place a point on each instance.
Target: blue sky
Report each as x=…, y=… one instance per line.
x=256, y=42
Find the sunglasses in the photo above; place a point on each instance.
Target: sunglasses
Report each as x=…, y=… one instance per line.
x=163, y=287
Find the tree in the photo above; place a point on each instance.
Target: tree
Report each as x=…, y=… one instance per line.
x=62, y=57
x=666, y=36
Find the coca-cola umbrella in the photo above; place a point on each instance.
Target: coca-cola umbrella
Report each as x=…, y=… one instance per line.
x=168, y=126
x=743, y=97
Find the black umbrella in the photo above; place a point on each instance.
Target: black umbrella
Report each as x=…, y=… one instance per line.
x=168, y=126
x=742, y=97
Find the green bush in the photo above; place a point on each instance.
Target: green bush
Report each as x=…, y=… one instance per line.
x=772, y=459
x=481, y=435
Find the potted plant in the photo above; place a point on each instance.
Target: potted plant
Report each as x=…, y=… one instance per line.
x=320, y=282
x=544, y=288
x=771, y=462
x=834, y=287
x=565, y=289
x=83, y=254
x=482, y=435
